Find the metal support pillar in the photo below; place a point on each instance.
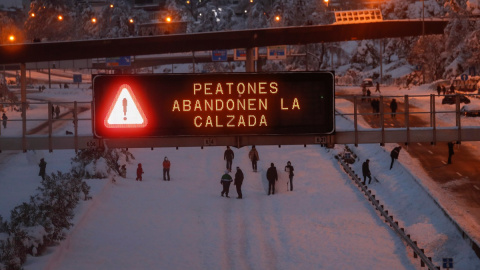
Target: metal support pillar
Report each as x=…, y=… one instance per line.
x=355, y=120
x=407, y=120
x=382, y=120
x=23, y=94
x=250, y=62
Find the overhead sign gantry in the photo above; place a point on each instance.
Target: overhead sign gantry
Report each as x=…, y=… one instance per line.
x=229, y=104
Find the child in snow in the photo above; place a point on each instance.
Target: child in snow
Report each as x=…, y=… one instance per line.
x=139, y=172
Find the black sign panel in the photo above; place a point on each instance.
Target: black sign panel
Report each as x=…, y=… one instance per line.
x=295, y=103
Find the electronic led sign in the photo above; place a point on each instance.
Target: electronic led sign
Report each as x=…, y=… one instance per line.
x=295, y=103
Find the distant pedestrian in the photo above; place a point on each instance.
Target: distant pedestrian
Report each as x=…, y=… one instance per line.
x=43, y=166
x=53, y=111
x=139, y=172
x=253, y=156
x=452, y=89
x=393, y=107
x=369, y=93
x=272, y=177
x=439, y=89
x=444, y=90
x=65, y=86
x=450, y=152
x=394, y=154
x=57, y=112
x=39, y=88
x=377, y=88
x=229, y=156
x=226, y=181
x=60, y=85
x=364, y=93
x=166, y=169
x=289, y=169
x=4, y=120
x=238, y=182
x=366, y=172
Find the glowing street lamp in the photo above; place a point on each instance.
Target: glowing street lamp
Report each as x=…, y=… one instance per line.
x=326, y=2
x=131, y=20
x=32, y=15
x=60, y=17
x=168, y=19
x=111, y=5
x=277, y=18
x=11, y=38
x=94, y=20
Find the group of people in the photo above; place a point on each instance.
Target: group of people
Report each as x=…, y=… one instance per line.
x=166, y=170
x=55, y=112
x=366, y=165
x=441, y=89
x=272, y=175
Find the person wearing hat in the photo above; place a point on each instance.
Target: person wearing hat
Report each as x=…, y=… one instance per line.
x=166, y=169
x=366, y=172
x=272, y=176
x=238, y=182
x=225, y=182
x=289, y=169
x=253, y=156
x=139, y=172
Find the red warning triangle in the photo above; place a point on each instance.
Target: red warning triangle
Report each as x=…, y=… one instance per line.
x=125, y=111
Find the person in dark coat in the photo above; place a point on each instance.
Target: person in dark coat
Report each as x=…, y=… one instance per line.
x=229, y=156
x=139, y=172
x=272, y=177
x=439, y=89
x=393, y=107
x=377, y=88
x=366, y=172
x=225, y=182
x=43, y=167
x=450, y=152
x=253, y=156
x=238, y=182
x=4, y=120
x=444, y=90
x=57, y=112
x=394, y=154
x=289, y=169
x=166, y=169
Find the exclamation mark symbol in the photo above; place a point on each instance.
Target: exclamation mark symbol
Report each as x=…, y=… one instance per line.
x=124, y=108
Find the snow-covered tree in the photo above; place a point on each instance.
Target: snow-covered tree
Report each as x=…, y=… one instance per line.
x=119, y=20
x=50, y=19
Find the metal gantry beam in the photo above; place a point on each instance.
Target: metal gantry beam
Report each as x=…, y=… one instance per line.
x=88, y=49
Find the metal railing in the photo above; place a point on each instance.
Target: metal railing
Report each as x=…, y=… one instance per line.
x=34, y=125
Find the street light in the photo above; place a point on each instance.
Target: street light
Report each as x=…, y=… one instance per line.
x=326, y=2
x=60, y=17
x=94, y=20
x=168, y=19
x=11, y=38
x=277, y=18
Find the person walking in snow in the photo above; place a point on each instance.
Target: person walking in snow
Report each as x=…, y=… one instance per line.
x=289, y=169
x=229, y=156
x=139, y=172
x=4, y=120
x=253, y=156
x=450, y=152
x=393, y=107
x=238, y=182
x=225, y=181
x=57, y=112
x=166, y=169
x=272, y=177
x=43, y=167
x=366, y=172
x=377, y=88
x=394, y=154
x=439, y=89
